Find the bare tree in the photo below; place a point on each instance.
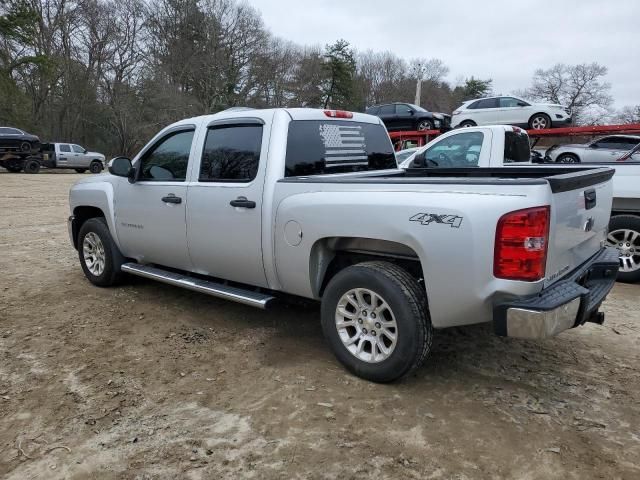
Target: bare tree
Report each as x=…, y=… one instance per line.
x=579, y=87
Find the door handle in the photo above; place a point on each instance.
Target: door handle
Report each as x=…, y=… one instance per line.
x=242, y=202
x=171, y=198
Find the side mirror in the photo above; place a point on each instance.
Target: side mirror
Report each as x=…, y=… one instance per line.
x=411, y=112
x=86, y=151
x=121, y=167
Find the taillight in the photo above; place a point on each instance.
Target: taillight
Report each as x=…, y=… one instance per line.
x=338, y=114
x=521, y=244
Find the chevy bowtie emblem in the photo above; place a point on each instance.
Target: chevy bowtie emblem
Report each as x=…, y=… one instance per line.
x=588, y=225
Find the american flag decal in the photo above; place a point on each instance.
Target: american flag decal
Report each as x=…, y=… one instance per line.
x=344, y=145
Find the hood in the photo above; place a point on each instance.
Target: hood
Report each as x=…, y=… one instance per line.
x=551, y=105
x=96, y=154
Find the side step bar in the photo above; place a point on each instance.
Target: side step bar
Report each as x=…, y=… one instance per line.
x=248, y=297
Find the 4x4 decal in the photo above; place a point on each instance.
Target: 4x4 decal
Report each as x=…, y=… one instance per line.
x=428, y=218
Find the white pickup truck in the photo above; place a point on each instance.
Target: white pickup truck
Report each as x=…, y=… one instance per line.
x=72, y=156
x=500, y=145
x=256, y=205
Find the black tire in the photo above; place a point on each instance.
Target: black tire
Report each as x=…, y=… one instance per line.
x=407, y=300
x=424, y=125
x=111, y=275
x=31, y=166
x=80, y=170
x=25, y=146
x=95, y=166
x=625, y=222
x=467, y=123
x=537, y=120
x=567, y=158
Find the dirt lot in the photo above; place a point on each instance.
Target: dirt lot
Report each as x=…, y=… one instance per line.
x=149, y=381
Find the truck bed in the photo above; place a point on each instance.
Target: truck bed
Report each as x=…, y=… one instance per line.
x=559, y=178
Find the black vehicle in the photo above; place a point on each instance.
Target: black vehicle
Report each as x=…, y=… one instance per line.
x=13, y=140
x=406, y=116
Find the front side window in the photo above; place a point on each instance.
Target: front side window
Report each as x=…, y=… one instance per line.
x=403, y=110
x=231, y=153
x=606, y=142
x=510, y=102
x=77, y=148
x=65, y=148
x=461, y=150
x=168, y=159
x=317, y=147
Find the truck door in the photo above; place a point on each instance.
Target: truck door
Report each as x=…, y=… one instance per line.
x=80, y=159
x=63, y=155
x=224, y=217
x=150, y=213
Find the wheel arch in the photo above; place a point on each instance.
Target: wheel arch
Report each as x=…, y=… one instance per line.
x=569, y=154
x=330, y=255
x=541, y=113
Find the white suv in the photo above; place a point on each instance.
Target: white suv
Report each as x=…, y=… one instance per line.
x=510, y=111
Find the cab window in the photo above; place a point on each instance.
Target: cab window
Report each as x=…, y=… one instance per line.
x=231, y=153
x=65, y=148
x=168, y=159
x=461, y=150
x=77, y=148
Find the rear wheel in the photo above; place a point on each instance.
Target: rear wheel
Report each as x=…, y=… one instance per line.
x=95, y=166
x=100, y=257
x=31, y=166
x=540, y=121
x=375, y=318
x=568, y=158
x=468, y=123
x=80, y=170
x=425, y=125
x=624, y=234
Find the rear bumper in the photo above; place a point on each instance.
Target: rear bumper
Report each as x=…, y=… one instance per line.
x=566, y=304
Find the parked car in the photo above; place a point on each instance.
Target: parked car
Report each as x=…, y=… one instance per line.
x=318, y=209
x=510, y=111
x=500, y=146
x=406, y=116
x=73, y=156
x=604, y=149
x=14, y=140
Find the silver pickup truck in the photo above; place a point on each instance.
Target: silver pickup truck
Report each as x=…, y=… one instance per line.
x=259, y=205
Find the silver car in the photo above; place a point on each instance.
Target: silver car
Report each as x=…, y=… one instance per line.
x=604, y=149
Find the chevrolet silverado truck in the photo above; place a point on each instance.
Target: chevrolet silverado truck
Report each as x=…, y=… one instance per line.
x=260, y=205
x=503, y=145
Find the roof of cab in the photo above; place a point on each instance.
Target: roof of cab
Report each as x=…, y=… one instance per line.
x=294, y=113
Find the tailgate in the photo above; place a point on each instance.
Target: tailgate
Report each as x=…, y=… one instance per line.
x=580, y=211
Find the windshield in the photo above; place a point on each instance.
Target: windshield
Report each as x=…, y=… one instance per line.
x=319, y=147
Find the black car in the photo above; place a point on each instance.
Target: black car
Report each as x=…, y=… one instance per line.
x=406, y=116
x=13, y=140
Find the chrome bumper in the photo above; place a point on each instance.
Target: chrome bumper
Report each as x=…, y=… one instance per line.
x=568, y=303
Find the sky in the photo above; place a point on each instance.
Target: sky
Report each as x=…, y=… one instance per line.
x=503, y=40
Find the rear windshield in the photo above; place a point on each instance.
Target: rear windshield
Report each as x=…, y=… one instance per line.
x=317, y=147
x=516, y=147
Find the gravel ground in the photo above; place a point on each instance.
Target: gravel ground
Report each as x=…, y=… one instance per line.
x=147, y=381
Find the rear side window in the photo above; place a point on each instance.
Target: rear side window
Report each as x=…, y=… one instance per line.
x=516, y=147
x=231, y=153
x=372, y=110
x=64, y=147
x=387, y=110
x=316, y=147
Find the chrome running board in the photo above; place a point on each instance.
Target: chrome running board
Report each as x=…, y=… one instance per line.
x=248, y=297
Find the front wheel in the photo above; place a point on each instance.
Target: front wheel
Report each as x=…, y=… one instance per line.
x=375, y=318
x=540, y=121
x=425, y=125
x=99, y=255
x=624, y=234
x=95, y=166
x=567, y=158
